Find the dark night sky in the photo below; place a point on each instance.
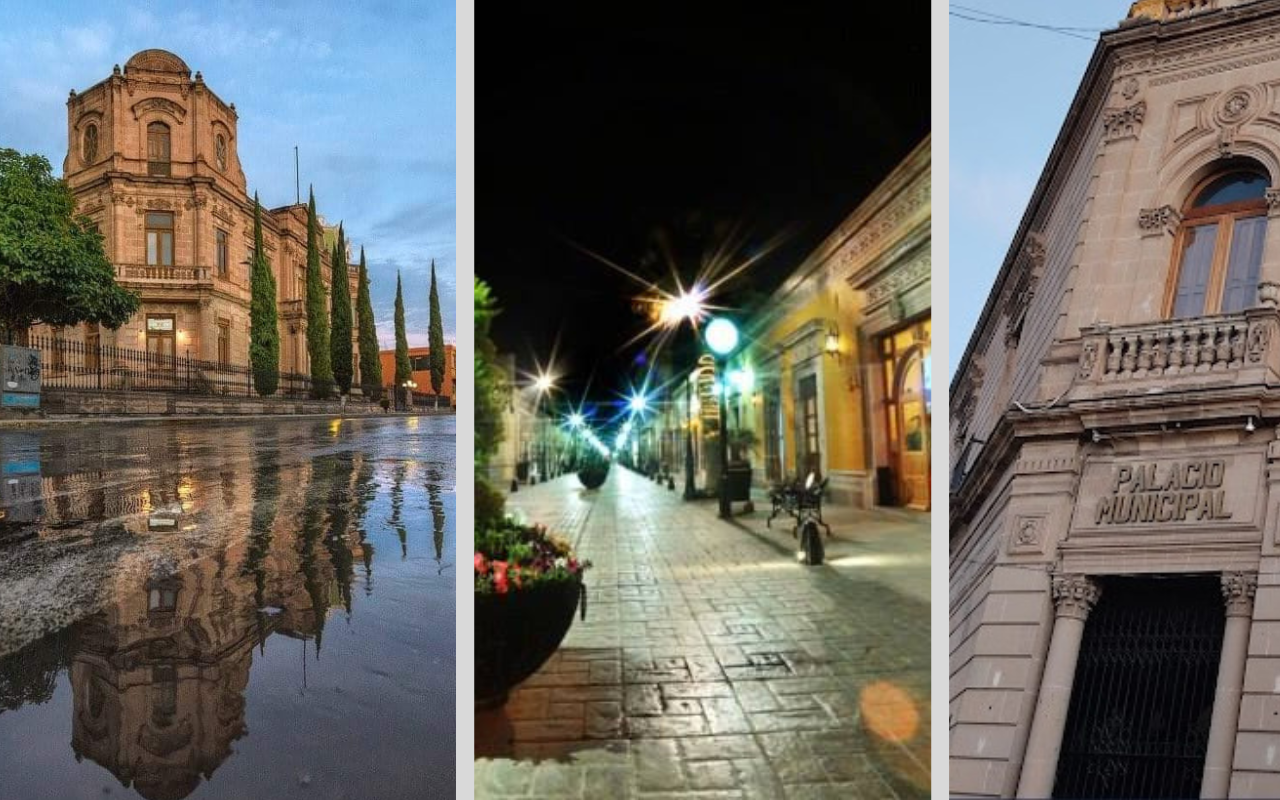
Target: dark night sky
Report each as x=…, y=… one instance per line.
x=605, y=127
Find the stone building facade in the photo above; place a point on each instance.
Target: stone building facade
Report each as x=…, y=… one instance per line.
x=153, y=161
x=1115, y=436
x=835, y=375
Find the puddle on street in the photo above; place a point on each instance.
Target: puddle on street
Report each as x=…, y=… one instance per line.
x=248, y=610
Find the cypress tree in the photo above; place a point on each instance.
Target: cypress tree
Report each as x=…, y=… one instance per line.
x=370, y=362
x=317, y=313
x=435, y=338
x=403, y=369
x=264, y=333
x=340, y=311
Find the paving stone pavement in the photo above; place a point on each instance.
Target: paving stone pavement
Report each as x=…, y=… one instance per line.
x=712, y=665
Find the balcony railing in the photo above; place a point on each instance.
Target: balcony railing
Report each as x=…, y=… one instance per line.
x=1229, y=348
x=152, y=272
x=292, y=309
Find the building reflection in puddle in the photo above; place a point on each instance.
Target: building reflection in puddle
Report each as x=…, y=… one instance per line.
x=159, y=672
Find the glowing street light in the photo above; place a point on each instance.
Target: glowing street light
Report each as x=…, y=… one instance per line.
x=576, y=420
x=544, y=383
x=638, y=403
x=687, y=305
x=722, y=336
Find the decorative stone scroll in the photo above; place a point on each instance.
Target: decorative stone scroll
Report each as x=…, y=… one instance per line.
x=1075, y=595
x=158, y=105
x=1272, y=196
x=1027, y=535
x=1154, y=221
x=1238, y=589
x=1022, y=290
x=966, y=400
x=1123, y=123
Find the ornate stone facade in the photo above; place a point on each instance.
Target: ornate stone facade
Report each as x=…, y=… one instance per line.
x=152, y=160
x=1118, y=404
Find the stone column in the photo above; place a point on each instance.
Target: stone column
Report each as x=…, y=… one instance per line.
x=1074, y=596
x=1238, y=589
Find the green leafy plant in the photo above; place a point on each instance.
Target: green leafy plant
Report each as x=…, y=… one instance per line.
x=509, y=556
x=264, y=332
x=53, y=268
x=435, y=337
x=370, y=360
x=317, y=312
x=340, y=314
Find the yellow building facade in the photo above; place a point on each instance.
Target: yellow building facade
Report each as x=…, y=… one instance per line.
x=836, y=377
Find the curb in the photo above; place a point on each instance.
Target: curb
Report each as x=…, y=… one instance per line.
x=203, y=418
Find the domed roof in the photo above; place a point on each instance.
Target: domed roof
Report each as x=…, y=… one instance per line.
x=157, y=61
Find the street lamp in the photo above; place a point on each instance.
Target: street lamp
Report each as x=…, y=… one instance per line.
x=409, y=386
x=722, y=338
x=544, y=383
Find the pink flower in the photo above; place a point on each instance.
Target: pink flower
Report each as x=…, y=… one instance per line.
x=482, y=566
x=500, y=577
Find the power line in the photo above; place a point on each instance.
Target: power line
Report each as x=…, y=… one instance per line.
x=996, y=19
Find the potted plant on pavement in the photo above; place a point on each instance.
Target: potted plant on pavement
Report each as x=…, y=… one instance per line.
x=528, y=581
x=594, y=471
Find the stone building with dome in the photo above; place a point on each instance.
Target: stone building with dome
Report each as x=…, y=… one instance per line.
x=1115, y=436
x=153, y=161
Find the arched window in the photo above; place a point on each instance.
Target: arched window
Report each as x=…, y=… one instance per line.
x=90, y=144
x=1219, y=245
x=158, y=149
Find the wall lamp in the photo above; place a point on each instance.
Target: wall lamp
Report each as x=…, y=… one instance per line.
x=832, y=345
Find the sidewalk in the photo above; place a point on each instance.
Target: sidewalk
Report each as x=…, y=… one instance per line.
x=712, y=665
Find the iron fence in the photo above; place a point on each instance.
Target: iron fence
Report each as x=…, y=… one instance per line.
x=70, y=364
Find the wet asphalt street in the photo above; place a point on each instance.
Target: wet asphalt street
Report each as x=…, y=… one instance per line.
x=228, y=609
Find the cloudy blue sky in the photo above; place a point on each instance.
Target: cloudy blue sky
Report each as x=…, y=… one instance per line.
x=365, y=90
x=1010, y=88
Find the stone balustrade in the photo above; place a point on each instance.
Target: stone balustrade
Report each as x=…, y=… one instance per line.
x=1239, y=347
x=153, y=272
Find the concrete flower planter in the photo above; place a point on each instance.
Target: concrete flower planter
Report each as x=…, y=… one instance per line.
x=517, y=632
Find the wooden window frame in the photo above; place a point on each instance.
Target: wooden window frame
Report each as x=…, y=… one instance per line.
x=161, y=167
x=1225, y=216
x=159, y=230
x=222, y=252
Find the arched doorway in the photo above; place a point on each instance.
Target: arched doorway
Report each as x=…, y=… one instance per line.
x=911, y=408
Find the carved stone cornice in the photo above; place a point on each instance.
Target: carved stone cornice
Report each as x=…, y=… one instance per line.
x=1075, y=595
x=966, y=400
x=1019, y=294
x=1154, y=221
x=1123, y=123
x=1238, y=589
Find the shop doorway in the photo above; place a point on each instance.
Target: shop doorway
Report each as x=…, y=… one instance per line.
x=1142, y=701
x=912, y=411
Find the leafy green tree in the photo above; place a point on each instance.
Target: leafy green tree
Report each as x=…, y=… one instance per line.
x=404, y=370
x=317, y=313
x=435, y=337
x=264, y=331
x=370, y=361
x=340, y=311
x=53, y=269
x=490, y=391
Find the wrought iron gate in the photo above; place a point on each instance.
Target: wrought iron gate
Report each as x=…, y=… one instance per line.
x=1138, y=722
